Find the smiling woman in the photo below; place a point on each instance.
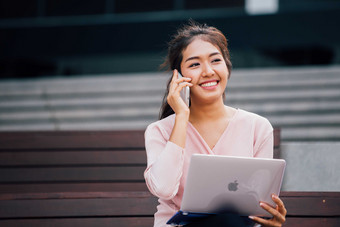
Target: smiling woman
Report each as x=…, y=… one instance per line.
x=207, y=126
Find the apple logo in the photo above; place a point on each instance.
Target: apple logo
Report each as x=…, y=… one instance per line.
x=233, y=186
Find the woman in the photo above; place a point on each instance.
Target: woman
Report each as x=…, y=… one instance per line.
x=200, y=54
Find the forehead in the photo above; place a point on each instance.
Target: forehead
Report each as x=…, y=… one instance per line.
x=199, y=47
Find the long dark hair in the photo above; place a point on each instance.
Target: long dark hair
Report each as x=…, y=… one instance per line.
x=184, y=36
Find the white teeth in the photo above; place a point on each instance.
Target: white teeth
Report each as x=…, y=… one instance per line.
x=209, y=84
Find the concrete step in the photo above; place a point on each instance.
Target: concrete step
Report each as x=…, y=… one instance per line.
x=233, y=96
x=88, y=101
x=293, y=107
x=155, y=82
x=79, y=114
x=83, y=125
x=295, y=99
x=310, y=133
x=331, y=120
x=283, y=114
x=255, y=78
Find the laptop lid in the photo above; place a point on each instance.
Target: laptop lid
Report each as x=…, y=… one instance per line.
x=234, y=184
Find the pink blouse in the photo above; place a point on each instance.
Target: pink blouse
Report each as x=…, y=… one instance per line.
x=247, y=134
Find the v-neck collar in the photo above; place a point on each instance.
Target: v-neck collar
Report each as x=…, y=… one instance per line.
x=211, y=150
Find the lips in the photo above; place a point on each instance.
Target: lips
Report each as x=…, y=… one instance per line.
x=208, y=84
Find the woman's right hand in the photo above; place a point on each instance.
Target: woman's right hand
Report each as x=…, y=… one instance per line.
x=178, y=134
x=174, y=98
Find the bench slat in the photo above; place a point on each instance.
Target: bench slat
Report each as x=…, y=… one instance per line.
x=312, y=203
x=83, y=222
x=71, y=187
x=46, y=158
x=313, y=221
x=307, y=206
x=69, y=174
x=72, y=139
x=117, y=206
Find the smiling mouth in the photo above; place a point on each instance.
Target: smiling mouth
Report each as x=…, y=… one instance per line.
x=209, y=84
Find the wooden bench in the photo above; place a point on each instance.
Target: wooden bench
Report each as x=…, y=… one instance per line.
x=95, y=178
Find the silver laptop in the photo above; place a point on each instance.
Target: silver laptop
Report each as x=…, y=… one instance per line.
x=229, y=184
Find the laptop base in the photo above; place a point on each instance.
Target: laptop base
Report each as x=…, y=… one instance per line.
x=183, y=218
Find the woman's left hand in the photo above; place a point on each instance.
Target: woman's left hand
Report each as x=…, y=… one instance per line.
x=279, y=213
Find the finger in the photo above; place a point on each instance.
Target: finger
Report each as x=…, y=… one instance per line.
x=280, y=204
x=183, y=84
x=269, y=208
x=180, y=83
x=183, y=79
x=276, y=214
x=261, y=221
x=176, y=88
x=173, y=83
x=175, y=75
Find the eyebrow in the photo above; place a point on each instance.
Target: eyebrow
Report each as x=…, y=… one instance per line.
x=196, y=57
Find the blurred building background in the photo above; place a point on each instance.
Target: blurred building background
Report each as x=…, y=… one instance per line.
x=94, y=65
x=72, y=37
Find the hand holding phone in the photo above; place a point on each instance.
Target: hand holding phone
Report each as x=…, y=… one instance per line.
x=185, y=92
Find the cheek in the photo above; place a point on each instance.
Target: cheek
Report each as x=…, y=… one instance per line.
x=194, y=78
x=190, y=74
x=223, y=71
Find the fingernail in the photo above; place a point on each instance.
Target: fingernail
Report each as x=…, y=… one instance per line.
x=251, y=217
x=274, y=196
x=261, y=204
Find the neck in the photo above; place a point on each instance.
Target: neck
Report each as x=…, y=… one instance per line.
x=207, y=112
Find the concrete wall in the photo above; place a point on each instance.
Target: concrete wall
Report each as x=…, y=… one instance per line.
x=311, y=166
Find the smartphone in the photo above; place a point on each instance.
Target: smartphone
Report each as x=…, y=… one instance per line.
x=185, y=93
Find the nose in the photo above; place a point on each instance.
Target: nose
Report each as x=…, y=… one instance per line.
x=207, y=70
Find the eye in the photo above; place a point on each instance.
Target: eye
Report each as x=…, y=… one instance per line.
x=216, y=60
x=194, y=65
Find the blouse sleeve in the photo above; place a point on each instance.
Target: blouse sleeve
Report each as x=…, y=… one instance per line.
x=264, y=144
x=164, y=163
